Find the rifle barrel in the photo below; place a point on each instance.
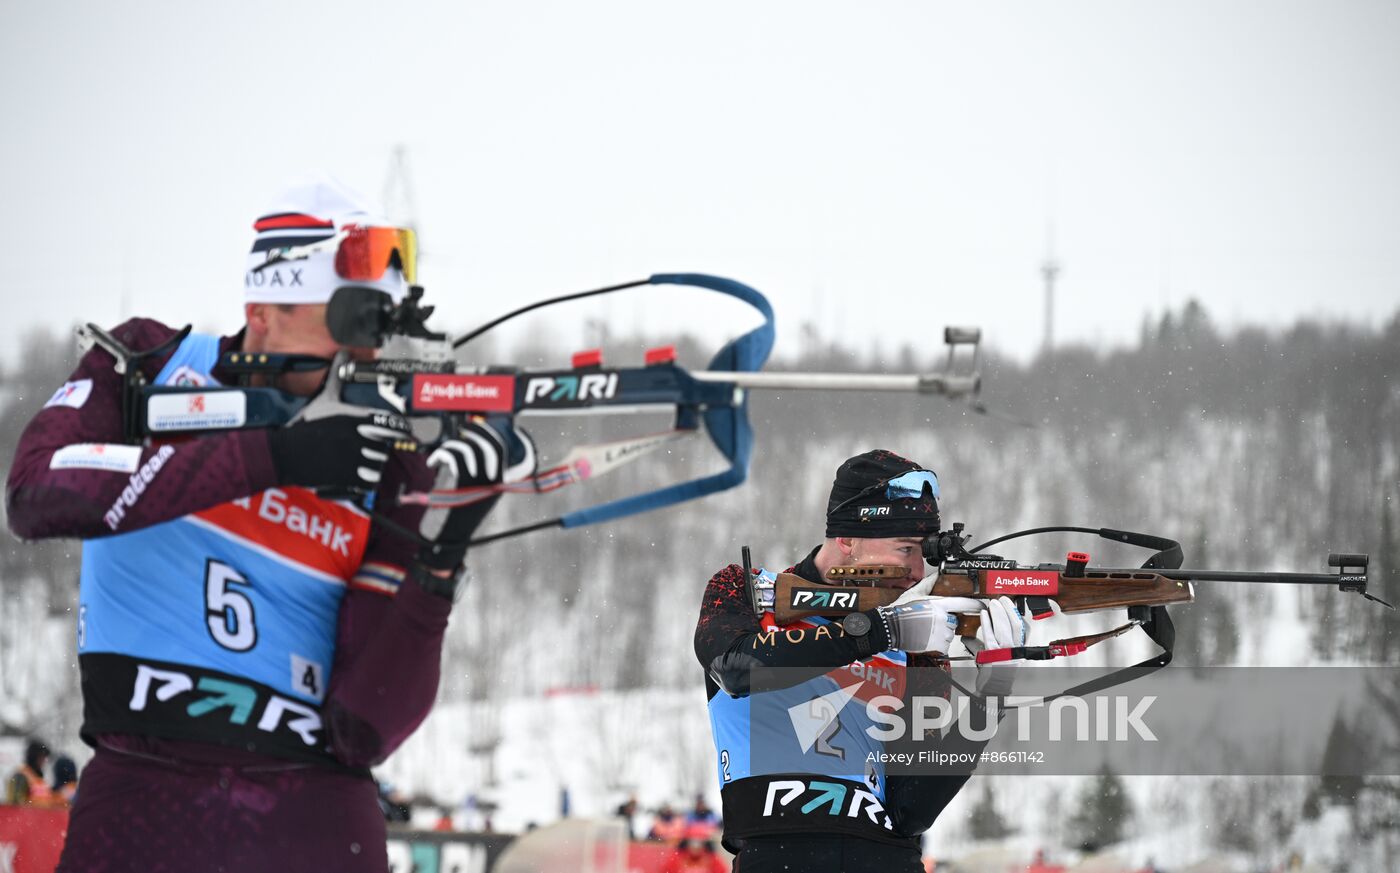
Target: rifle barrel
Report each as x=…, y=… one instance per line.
x=1236, y=576
x=947, y=384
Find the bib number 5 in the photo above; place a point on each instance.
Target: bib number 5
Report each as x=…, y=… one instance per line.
x=228, y=611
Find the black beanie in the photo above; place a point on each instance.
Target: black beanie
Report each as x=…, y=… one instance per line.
x=859, y=508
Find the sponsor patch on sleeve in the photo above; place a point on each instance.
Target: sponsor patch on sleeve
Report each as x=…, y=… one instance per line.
x=97, y=456
x=196, y=410
x=73, y=394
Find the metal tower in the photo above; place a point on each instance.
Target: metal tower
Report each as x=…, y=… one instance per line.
x=1049, y=271
x=399, y=204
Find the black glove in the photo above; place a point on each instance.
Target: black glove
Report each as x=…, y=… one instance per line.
x=332, y=445
x=340, y=452
x=479, y=457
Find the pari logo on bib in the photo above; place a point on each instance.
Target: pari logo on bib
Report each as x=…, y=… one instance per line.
x=320, y=235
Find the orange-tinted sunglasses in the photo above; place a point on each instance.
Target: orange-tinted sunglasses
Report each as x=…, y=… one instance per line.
x=365, y=252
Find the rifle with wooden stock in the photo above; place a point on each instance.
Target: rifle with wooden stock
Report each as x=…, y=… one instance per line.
x=1074, y=586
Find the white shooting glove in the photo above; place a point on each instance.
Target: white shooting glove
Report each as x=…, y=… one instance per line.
x=917, y=590
x=1003, y=627
x=923, y=623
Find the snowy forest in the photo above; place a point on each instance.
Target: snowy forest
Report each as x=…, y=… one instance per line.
x=570, y=662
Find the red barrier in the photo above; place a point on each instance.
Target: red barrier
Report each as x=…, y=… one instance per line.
x=31, y=839
x=658, y=857
x=647, y=857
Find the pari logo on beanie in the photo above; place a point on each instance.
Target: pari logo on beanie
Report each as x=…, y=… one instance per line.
x=293, y=255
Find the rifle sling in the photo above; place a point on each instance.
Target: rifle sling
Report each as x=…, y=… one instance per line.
x=1159, y=629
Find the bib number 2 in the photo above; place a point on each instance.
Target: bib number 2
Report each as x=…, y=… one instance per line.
x=228, y=611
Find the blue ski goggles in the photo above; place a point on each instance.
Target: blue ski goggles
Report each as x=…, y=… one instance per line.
x=911, y=484
x=901, y=487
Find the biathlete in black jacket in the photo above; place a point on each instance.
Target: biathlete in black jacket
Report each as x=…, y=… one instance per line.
x=838, y=808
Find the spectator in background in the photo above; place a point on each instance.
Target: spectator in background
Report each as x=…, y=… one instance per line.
x=393, y=803
x=668, y=827
x=26, y=787
x=1040, y=864
x=444, y=823
x=626, y=812
x=702, y=814
x=65, y=781
x=696, y=853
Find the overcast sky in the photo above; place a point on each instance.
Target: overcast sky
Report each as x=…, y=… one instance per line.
x=879, y=168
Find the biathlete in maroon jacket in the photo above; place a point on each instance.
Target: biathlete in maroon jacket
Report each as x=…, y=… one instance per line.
x=248, y=648
x=803, y=781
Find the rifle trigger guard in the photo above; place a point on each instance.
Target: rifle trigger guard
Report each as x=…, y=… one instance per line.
x=1039, y=607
